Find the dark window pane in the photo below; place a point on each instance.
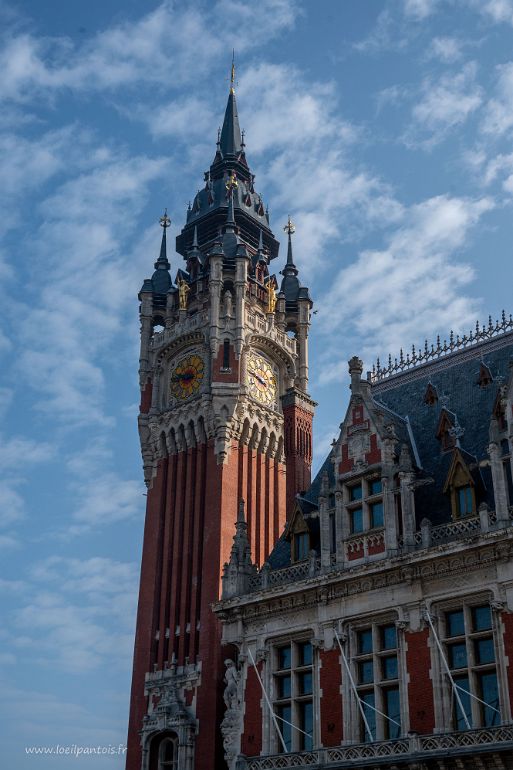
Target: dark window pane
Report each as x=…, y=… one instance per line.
x=483, y=650
x=481, y=618
x=390, y=667
x=459, y=719
x=370, y=715
x=490, y=694
x=305, y=683
x=284, y=657
x=464, y=501
x=388, y=637
x=365, y=641
x=457, y=655
x=365, y=672
x=355, y=493
x=393, y=711
x=306, y=724
x=302, y=545
x=356, y=520
x=284, y=713
x=375, y=487
x=376, y=515
x=284, y=686
x=455, y=623
x=305, y=654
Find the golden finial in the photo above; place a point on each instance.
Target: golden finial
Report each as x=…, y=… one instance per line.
x=165, y=221
x=232, y=73
x=290, y=227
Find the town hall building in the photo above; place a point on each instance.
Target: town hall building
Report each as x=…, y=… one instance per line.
x=364, y=620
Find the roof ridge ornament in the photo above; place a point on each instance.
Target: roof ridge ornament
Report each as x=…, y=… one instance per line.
x=425, y=353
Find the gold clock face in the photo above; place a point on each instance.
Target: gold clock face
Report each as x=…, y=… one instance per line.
x=187, y=376
x=261, y=380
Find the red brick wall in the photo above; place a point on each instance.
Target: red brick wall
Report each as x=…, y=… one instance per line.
x=146, y=614
x=251, y=744
x=298, y=451
x=217, y=374
x=420, y=687
x=331, y=702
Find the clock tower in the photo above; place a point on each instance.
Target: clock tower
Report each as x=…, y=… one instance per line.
x=225, y=416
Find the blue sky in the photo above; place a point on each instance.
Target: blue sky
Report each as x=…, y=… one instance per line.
x=385, y=129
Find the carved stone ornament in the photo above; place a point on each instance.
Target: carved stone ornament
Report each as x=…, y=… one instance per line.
x=358, y=446
x=231, y=726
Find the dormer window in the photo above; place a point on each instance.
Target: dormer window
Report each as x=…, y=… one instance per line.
x=301, y=546
x=445, y=430
x=431, y=395
x=461, y=487
x=485, y=376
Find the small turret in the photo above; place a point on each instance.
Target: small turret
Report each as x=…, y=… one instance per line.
x=239, y=569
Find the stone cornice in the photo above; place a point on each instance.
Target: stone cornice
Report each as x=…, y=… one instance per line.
x=445, y=560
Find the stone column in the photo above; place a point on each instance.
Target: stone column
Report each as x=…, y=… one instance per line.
x=499, y=485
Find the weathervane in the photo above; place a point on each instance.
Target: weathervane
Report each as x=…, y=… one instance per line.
x=232, y=73
x=290, y=227
x=165, y=221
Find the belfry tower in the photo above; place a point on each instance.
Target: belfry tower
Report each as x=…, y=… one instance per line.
x=224, y=417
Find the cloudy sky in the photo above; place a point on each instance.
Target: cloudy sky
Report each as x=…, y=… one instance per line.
x=385, y=128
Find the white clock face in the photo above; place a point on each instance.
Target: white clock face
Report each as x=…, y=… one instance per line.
x=261, y=379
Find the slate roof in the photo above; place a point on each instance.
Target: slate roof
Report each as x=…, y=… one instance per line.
x=455, y=378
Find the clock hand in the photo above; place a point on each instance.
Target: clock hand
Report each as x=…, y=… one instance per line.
x=260, y=379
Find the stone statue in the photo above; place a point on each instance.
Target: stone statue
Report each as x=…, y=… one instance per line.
x=231, y=691
x=231, y=726
x=228, y=304
x=183, y=291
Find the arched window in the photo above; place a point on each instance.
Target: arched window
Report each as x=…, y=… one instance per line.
x=168, y=754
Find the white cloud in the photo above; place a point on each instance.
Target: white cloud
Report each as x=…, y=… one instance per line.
x=446, y=49
x=87, y=284
x=157, y=48
x=445, y=104
x=106, y=499
x=80, y=612
x=496, y=10
x=419, y=10
x=376, y=294
x=498, y=117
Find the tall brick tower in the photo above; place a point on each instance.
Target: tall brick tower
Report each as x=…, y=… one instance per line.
x=224, y=416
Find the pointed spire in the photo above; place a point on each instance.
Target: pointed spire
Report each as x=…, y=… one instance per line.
x=241, y=552
x=290, y=268
x=230, y=141
x=194, y=250
x=163, y=262
x=261, y=254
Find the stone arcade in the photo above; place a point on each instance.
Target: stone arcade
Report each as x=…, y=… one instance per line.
x=361, y=621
